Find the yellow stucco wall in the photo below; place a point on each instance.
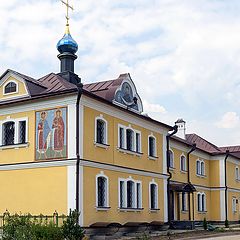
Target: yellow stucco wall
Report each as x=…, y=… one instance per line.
x=91, y=215
x=34, y=191
x=111, y=154
x=21, y=89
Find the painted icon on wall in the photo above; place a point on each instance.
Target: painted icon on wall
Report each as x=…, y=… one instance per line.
x=51, y=134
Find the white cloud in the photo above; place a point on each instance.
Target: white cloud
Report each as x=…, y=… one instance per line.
x=229, y=120
x=178, y=52
x=153, y=108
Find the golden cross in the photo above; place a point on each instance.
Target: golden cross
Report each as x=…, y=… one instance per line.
x=67, y=6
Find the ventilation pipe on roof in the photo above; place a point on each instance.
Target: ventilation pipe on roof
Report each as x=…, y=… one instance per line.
x=181, y=128
x=174, y=131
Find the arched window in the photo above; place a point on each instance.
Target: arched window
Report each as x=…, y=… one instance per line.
x=102, y=191
x=234, y=205
x=171, y=159
x=152, y=146
x=200, y=167
x=153, y=196
x=8, y=133
x=183, y=163
x=201, y=200
x=101, y=131
x=130, y=140
x=11, y=87
x=237, y=173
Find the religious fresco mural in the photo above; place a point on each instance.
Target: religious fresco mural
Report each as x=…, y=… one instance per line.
x=51, y=134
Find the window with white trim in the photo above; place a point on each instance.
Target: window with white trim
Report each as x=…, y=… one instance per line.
x=129, y=139
x=100, y=130
x=13, y=131
x=184, y=201
x=130, y=194
x=101, y=191
x=10, y=87
x=171, y=159
x=183, y=163
x=201, y=202
x=234, y=204
x=152, y=146
x=153, y=195
x=237, y=173
x=200, y=167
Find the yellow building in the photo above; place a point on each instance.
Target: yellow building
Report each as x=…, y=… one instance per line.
x=64, y=145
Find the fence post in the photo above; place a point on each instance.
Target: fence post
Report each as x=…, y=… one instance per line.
x=55, y=218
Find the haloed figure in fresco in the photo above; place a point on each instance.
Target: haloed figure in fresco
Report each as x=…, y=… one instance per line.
x=43, y=135
x=58, y=135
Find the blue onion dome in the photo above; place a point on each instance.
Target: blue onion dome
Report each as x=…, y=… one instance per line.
x=67, y=43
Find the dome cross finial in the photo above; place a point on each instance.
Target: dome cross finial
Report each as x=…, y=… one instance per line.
x=68, y=6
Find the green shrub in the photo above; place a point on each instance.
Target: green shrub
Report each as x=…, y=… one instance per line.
x=205, y=224
x=28, y=228
x=71, y=229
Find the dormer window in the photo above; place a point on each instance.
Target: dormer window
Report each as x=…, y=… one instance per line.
x=11, y=87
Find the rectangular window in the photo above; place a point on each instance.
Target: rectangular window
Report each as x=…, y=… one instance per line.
x=138, y=142
x=121, y=137
x=22, y=132
x=8, y=133
x=234, y=205
x=184, y=201
x=139, y=205
x=199, y=202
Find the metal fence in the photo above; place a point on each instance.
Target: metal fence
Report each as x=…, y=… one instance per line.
x=55, y=218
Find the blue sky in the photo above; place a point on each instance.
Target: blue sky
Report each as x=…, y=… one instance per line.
x=184, y=56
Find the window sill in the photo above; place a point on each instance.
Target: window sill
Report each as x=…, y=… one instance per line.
x=201, y=176
x=152, y=157
x=153, y=210
x=125, y=151
x=101, y=145
x=130, y=209
x=171, y=169
x=202, y=212
x=183, y=171
x=237, y=180
x=184, y=211
x=104, y=209
x=14, y=146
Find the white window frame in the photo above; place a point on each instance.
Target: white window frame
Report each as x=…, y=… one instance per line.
x=135, y=182
x=101, y=118
x=154, y=147
x=154, y=183
x=234, y=204
x=6, y=83
x=125, y=128
x=184, y=200
x=185, y=163
x=170, y=150
x=107, y=190
x=16, y=130
x=201, y=171
x=202, y=208
x=237, y=173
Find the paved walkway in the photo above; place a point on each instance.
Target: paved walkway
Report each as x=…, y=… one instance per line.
x=234, y=237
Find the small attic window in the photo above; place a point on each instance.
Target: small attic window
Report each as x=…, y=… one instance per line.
x=11, y=87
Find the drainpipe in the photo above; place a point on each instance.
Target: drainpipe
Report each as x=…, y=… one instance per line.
x=80, y=87
x=226, y=187
x=189, y=181
x=174, y=131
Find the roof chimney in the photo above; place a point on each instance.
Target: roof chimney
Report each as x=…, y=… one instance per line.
x=181, y=128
